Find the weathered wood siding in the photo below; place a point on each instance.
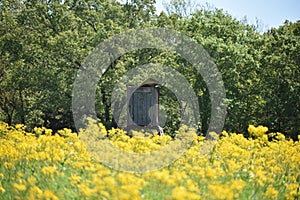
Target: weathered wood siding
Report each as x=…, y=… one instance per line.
x=143, y=106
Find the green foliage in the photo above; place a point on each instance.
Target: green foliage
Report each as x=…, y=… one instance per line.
x=44, y=43
x=280, y=78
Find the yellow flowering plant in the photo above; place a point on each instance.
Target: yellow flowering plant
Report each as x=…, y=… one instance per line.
x=58, y=166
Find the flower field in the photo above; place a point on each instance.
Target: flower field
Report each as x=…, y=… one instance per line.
x=46, y=165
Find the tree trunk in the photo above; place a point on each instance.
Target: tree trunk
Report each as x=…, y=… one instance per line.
x=22, y=114
x=106, y=106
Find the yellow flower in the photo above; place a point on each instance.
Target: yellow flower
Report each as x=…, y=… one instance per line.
x=8, y=165
x=124, y=196
x=85, y=190
x=20, y=187
x=20, y=127
x=211, y=173
x=105, y=194
x=49, y=170
x=65, y=132
x=225, y=134
x=271, y=193
x=47, y=194
x=192, y=186
x=180, y=192
x=20, y=174
x=221, y=191
x=257, y=132
x=109, y=181
x=75, y=179
x=35, y=193
x=292, y=190
x=237, y=186
x=219, y=168
x=1, y=188
x=31, y=180
x=39, y=131
x=280, y=136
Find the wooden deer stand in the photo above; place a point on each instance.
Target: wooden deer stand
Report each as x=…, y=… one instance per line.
x=143, y=107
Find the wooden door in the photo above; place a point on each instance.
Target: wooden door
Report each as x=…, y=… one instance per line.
x=143, y=106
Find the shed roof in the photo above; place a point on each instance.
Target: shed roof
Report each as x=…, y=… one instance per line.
x=150, y=81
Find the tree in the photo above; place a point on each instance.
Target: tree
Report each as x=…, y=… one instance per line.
x=280, y=78
x=44, y=43
x=183, y=8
